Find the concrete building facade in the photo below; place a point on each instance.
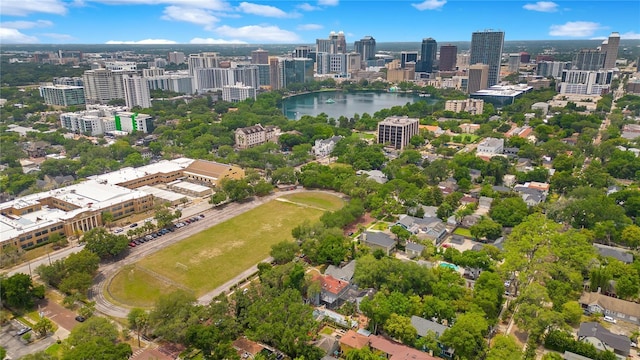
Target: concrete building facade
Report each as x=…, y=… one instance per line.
x=396, y=131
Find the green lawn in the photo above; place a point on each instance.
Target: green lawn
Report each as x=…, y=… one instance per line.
x=363, y=136
x=321, y=200
x=463, y=232
x=134, y=287
x=212, y=257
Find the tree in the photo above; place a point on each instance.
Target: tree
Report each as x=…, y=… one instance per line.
x=486, y=228
x=172, y=315
x=84, y=261
x=104, y=244
x=466, y=336
x=572, y=312
x=164, y=217
x=3, y=353
x=262, y=188
x=237, y=190
x=218, y=197
x=399, y=327
x=631, y=236
x=18, y=291
x=361, y=354
x=284, y=251
x=43, y=326
x=504, y=348
x=509, y=212
x=138, y=320
x=87, y=310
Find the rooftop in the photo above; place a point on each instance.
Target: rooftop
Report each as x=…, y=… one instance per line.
x=504, y=90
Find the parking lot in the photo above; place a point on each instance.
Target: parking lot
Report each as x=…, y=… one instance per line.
x=15, y=346
x=156, y=234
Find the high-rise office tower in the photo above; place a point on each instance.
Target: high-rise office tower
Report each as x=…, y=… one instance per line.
x=525, y=57
x=366, y=47
x=486, y=48
x=136, y=92
x=589, y=60
x=396, y=131
x=448, y=54
x=514, y=63
x=478, y=77
x=259, y=57
x=610, y=48
x=336, y=44
x=408, y=57
x=302, y=51
x=287, y=71
x=428, y=52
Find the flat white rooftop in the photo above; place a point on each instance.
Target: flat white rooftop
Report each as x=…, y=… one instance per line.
x=189, y=186
x=162, y=194
x=129, y=173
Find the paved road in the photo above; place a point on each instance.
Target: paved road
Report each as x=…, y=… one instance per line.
x=212, y=218
x=30, y=267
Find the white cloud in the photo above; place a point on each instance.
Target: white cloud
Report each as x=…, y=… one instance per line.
x=328, y=2
x=542, y=6
x=191, y=15
x=310, y=27
x=13, y=36
x=26, y=7
x=430, y=5
x=217, y=5
x=259, y=33
x=142, y=42
x=631, y=35
x=60, y=37
x=574, y=29
x=26, y=24
x=262, y=10
x=211, y=41
x=308, y=7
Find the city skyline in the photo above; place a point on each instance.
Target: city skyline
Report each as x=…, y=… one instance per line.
x=272, y=22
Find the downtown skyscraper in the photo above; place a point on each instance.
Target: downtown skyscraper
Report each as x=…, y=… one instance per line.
x=486, y=48
x=366, y=47
x=428, y=52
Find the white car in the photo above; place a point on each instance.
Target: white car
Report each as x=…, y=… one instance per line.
x=610, y=319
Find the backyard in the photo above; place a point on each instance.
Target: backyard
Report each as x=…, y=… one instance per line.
x=208, y=259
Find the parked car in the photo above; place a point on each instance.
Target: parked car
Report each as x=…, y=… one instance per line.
x=201, y=216
x=148, y=237
x=23, y=331
x=133, y=225
x=610, y=319
x=132, y=244
x=80, y=318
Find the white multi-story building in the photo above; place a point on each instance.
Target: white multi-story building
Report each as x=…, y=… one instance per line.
x=154, y=71
x=490, y=147
x=120, y=66
x=103, y=85
x=98, y=120
x=396, y=131
x=238, y=92
x=472, y=106
x=136, y=92
x=130, y=122
x=214, y=79
x=176, y=82
x=62, y=95
x=586, y=82
x=255, y=135
x=176, y=57
x=552, y=68
x=196, y=62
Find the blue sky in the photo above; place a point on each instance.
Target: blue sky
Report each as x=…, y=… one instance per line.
x=288, y=21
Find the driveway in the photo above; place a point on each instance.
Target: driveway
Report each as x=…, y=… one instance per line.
x=62, y=316
x=14, y=345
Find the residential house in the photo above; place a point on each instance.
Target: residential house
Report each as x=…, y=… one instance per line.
x=352, y=340
x=436, y=130
x=36, y=149
x=395, y=351
x=617, y=308
x=430, y=211
x=342, y=273
x=423, y=326
x=490, y=147
x=469, y=128
x=604, y=340
x=475, y=174
x=378, y=240
x=430, y=228
x=54, y=182
x=332, y=291
x=524, y=165
x=469, y=220
x=533, y=193
x=510, y=152
x=323, y=148
x=376, y=175
x=614, y=252
x=414, y=249
x=520, y=131
x=466, y=200
x=247, y=349
x=485, y=202
x=568, y=355
x=328, y=344
x=509, y=180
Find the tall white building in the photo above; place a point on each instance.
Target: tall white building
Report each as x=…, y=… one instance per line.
x=136, y=92
x=196, y=62
x=62, y=95
x=154, y=71
x=213, y=79
x=130, y=121
x=176, y=82
x=176, y=57
x=238, y=92
x=103, y=85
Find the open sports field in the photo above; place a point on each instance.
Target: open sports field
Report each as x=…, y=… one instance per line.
x=214, y=256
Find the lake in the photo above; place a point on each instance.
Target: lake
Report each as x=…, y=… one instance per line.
x=337, y=103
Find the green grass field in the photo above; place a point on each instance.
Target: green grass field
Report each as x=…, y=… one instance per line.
x=463, y=232
x=214, y=256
